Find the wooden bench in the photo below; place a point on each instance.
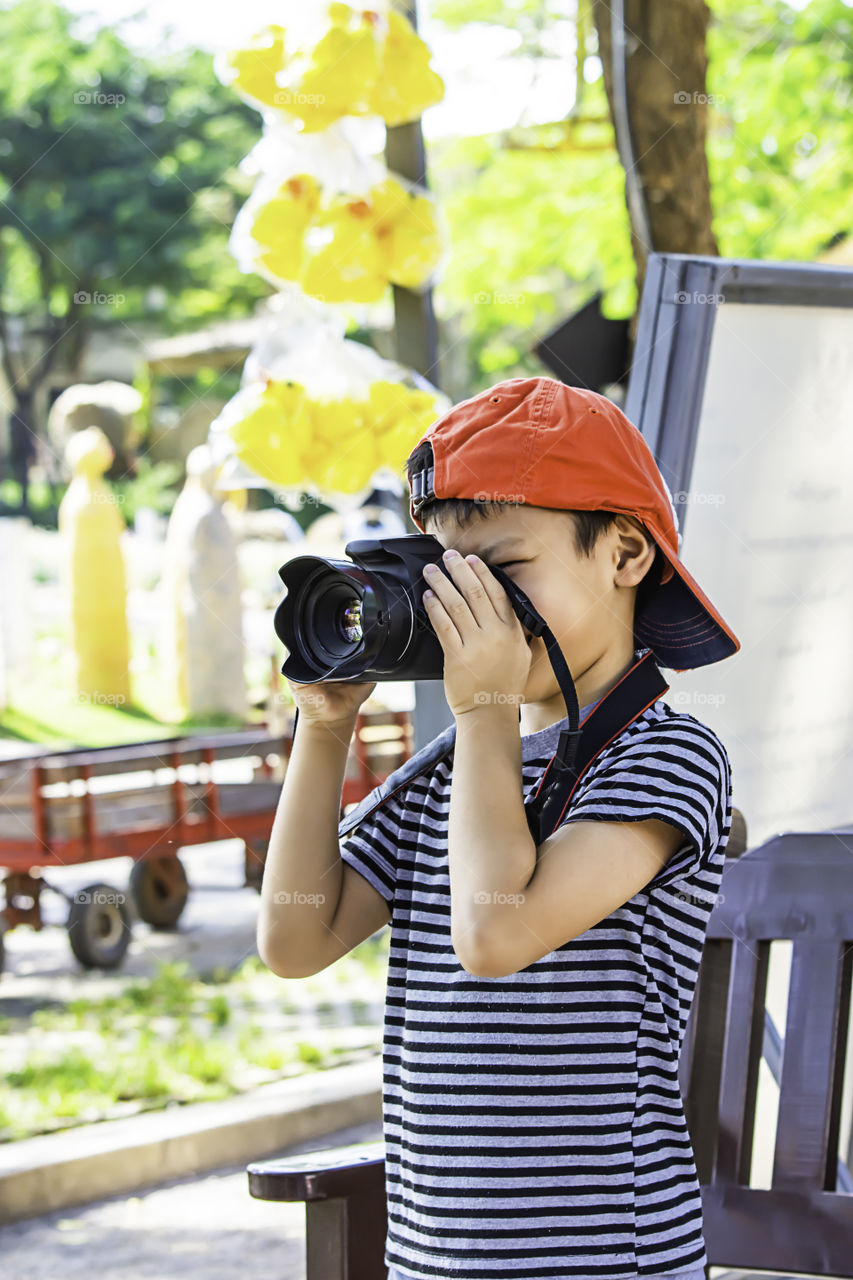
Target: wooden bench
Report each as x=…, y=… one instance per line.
x=796, y=887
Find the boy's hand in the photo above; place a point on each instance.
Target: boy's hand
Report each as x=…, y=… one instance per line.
x=486, y=657
x=330, y=702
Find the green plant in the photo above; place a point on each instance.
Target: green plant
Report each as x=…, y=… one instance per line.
x=156, y=485
x=219, y=1010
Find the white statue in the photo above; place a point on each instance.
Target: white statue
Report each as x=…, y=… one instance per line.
x=202, y=656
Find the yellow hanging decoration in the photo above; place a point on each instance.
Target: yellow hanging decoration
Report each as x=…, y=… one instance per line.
x=356, y=246
x=257, y=66
x=281, y=223
x=407, y=233
x=274, y=438
x=296, y=440
x=343, y=64
x=349, y=267
x=342, y=420
x=364, y=64
x=406, y=84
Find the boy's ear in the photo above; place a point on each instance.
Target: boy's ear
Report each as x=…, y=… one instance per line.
x=635, y=549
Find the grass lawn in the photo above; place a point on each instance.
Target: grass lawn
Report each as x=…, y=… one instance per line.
x=177, y=1038
x=50, y=712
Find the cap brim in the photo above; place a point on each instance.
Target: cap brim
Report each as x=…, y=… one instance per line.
x=680, y=624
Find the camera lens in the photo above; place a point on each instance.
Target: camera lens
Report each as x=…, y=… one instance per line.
x=340, y=619
x=332, y=618
x=349, y=621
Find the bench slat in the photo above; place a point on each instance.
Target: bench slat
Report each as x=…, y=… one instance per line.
x=810, y=1095
x=701, y=1058
x=744, y=1037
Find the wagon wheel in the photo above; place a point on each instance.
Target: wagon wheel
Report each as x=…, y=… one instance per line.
x=160, y=888
x=99, y=926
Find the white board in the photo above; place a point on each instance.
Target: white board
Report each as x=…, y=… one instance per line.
x=768, y=534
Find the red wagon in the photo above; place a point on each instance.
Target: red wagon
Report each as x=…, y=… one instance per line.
x=146, y=801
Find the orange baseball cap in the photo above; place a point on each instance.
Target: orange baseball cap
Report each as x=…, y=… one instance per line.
x=540, y=442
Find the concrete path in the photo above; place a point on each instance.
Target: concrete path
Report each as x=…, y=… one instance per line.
x=205, y=1228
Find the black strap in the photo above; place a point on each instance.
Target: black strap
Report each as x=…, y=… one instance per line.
x=578, y=747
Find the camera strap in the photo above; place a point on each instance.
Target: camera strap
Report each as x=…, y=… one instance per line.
x=579, y=745
x=577, y=748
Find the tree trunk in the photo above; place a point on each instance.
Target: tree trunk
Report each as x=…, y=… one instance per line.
x=22, y=442
x=665, y=76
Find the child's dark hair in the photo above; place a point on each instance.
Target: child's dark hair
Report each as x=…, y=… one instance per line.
x=588, y=525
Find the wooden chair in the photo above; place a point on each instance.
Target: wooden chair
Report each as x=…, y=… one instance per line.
x=795, y=886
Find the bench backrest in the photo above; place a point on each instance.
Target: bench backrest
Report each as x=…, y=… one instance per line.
x=796, y=887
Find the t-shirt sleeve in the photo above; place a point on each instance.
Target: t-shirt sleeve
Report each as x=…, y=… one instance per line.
x=371, y=847
x=679, y=773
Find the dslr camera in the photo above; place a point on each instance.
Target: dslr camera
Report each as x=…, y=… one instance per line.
x=363, y=619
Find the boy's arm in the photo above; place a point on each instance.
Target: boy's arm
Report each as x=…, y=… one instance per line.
x=584, y=872
x=314, y=908
x=512, y=902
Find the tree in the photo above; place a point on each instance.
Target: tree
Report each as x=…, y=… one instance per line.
x=537, y=216
x=664, y=110
x=118, y=178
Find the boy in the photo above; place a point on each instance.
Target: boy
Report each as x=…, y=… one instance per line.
x=537, y=997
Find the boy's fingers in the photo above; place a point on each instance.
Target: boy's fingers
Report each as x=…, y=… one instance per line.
x=494, y=589
x=442, y=623
x=464, y=613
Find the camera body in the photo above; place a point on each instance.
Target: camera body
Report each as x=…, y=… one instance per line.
x=363, y=619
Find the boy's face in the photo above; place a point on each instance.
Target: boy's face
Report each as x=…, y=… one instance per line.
x=586, y=601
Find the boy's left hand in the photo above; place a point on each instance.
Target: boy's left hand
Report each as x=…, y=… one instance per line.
x=486, y=657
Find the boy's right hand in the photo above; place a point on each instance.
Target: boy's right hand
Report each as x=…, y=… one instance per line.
x=330, y=702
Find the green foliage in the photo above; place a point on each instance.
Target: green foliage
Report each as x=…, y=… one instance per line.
x=156, y=485
x=44, y=502
x=532, y=22
x=534, y=234
x=781, y=126
x=117, y=174
x=171, y=991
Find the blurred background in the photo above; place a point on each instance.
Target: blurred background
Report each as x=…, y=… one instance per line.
x=234, y=293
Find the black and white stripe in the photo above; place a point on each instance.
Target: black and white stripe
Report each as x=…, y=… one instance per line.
x=533, y=1124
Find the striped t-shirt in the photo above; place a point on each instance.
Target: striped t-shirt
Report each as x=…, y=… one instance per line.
x=533, y=1124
